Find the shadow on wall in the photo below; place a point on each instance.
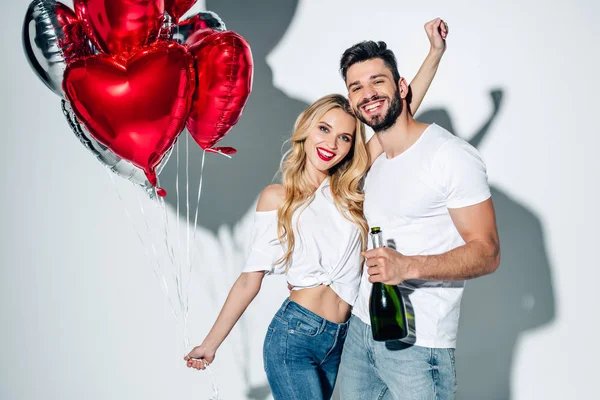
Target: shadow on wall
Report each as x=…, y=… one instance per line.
x=231, y=186
x=495, y=310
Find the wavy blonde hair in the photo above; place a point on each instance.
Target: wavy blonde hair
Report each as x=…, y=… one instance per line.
x=345, y=177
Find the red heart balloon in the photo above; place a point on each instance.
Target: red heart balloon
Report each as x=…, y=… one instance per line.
x=118, y=26
x=224, y=65
x=176, y=8
x=73, y=45
x=136, y=107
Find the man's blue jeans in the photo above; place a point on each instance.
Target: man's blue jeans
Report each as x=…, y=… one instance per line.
x=373, y=370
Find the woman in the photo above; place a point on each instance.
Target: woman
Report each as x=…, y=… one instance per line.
x=310, y=227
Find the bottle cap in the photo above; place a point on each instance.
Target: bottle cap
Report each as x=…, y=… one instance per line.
x=375, y=229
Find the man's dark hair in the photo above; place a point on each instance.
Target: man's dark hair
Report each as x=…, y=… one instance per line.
x=369, y=50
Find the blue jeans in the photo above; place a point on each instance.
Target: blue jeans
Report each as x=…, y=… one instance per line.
x=302, y=353
x=393, y=370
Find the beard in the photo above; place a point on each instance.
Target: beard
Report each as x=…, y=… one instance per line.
x=380, y=123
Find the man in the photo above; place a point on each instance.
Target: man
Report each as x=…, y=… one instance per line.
x=428, y=192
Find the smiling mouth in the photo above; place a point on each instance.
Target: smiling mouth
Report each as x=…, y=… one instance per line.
x=325, y=155
x=373, y=107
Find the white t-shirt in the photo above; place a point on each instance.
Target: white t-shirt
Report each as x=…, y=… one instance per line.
x=326, y=252
x=408, y=197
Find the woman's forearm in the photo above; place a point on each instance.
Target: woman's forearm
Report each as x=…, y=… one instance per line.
x=421, y=82
x=245, y=288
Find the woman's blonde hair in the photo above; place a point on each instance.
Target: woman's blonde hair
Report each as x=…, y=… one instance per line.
x=345, y=177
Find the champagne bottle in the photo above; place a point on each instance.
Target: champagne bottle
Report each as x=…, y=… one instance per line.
x=386, y=307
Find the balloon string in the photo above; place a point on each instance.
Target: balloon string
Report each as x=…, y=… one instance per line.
x=211, y=289
x=170, y=251
x=183, y=304
x=196, y=217
x=215, y=387
x=219, y=152
x=155, y=252
x=157, y=268
x=179, y=250
x=176, y=257
x=187, y=194
x=178, y=205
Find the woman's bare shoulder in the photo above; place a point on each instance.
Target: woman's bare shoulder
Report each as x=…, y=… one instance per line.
x=271, y=198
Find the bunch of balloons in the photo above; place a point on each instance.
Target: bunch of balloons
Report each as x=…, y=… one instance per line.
x=132, y=76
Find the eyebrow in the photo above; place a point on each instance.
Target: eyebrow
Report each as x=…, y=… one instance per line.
x=330, y=127
x=370, y=78
x=378, y=76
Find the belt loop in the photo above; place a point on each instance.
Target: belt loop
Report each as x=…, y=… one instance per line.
x=343, y=328
x=323, y=325
x=285, y=305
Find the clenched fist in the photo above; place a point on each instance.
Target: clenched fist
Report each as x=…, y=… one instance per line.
x=437, y=31
x=200, y=357
x=388, y=266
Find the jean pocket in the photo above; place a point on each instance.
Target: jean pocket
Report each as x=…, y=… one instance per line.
x=303, y=327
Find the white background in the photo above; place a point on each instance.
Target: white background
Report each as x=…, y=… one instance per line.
x=83, y=316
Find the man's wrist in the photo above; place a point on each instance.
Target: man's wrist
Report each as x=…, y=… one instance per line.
x=413, y=270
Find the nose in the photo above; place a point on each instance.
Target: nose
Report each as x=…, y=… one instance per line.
x=331, y=142
x=369, y=93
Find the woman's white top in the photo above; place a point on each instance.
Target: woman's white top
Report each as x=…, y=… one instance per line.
x=326, y=252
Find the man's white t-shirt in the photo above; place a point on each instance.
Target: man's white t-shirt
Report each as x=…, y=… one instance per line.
x=408, y=197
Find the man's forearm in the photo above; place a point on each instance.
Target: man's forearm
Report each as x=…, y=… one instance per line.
x=474, y=259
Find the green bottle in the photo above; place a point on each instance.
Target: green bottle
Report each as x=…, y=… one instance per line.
x=386, y=307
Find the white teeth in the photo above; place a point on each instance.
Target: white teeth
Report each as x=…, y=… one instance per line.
x=371, y=107
x=325, y=153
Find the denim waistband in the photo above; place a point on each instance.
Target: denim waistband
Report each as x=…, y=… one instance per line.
x=291, y=308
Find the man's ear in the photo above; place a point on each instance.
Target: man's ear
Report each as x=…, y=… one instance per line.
x=405, y=93
x=403, y=88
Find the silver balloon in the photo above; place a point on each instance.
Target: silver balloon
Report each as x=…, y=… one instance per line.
x=203, y=19
x=42, y=39
x=109, y=159
x=212, y=20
